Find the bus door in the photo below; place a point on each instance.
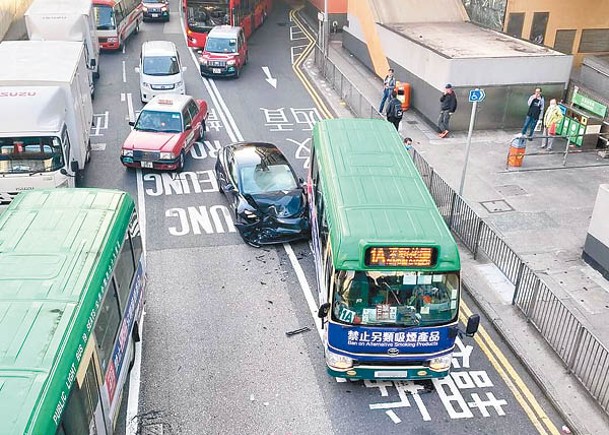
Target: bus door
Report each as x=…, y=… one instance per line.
x=84, y=413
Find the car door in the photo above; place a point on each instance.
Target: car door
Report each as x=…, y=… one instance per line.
x=196, y=116
x=189, y=129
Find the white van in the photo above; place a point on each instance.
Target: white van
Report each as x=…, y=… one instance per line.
x=160, y=69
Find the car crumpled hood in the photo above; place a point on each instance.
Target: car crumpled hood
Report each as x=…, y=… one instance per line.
x=279, y=204
x=219, y=56
x=149, y=141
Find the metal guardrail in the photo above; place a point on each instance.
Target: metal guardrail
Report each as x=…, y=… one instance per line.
x=581, y=352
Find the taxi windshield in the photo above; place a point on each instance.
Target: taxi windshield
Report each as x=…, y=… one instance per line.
x=221, y=45
x=395, y=298
x=162, y=122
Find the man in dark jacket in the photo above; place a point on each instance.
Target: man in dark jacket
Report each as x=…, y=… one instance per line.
x=394, y=110
x=536, y=105
x=448, y=106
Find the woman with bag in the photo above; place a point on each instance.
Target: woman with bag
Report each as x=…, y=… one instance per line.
x=551, y=120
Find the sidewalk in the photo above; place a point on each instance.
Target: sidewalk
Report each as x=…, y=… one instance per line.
x=542, y=211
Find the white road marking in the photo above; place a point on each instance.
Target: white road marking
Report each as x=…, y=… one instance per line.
x=229, y=116
x=134, y=381
x=124, y=73
x=393, y=416
x=269, y=78
x=122, y=96
x=98, y=146
x=304, y=285
x=130, y=107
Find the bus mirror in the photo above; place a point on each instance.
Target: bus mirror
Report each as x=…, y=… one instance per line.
x=131, y=123
x=472, y=325
x=324, y=310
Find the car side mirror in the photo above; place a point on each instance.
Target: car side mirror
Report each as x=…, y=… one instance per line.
x=324, y=309
x=137, y=69
x=472, y=325
x=131, y=123
x=188, y=126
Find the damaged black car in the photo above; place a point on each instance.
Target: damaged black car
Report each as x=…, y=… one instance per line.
x=268, y=200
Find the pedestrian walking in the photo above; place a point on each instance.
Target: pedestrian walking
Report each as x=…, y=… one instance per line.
x=535, y=113
x=408, y=143
x=388, y=87
x=394, y=110
x=448, y=106
x=551, y=120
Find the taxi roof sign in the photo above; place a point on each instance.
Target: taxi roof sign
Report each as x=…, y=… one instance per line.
x=165, y=101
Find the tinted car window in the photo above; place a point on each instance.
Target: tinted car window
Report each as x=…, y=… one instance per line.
x=161, y=65
x=186, y=116
x=193, y=108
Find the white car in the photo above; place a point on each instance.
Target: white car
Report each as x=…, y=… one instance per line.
x=161, y=71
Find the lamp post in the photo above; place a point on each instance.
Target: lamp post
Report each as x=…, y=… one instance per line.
x=326, y=34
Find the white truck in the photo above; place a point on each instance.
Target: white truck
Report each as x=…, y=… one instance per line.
x=65, y=20
x=47, y=115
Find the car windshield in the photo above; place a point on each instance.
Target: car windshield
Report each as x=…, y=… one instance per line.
x=395, y=298
x=104, y=17
x=221, y=45
x=30, y=154
x=161, y=65
x=163, y=122
x=271, y=178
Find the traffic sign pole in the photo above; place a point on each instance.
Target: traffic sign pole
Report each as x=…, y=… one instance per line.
x=475, y=96
x=469, y=143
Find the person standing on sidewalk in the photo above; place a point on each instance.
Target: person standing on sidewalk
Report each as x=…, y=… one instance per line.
x=551, y=120
x=536, y=105
x=394, y=110
x=448, y=106
x=389, y=86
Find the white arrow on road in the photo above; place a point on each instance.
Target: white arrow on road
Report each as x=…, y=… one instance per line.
x=269, y=78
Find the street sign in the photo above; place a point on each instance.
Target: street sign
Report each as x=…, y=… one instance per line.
x=476, y=95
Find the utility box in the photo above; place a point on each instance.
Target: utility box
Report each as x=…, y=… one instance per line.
x=596, y=248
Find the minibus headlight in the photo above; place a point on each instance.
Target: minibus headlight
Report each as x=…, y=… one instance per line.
x=202, y=61
x=127, y=153
x=146, y=85
x=144, y=8
x=231, y=62
x=167, y=156
x=441, y=363
x=338, y=361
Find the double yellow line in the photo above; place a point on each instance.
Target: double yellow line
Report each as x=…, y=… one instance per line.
x=512, y=379
x=326, y=113
x=521, y=393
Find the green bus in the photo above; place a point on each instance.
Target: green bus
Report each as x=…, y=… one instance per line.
x=388, y=268
x=72, y=273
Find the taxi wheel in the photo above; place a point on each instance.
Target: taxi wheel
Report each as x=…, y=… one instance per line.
x=180, y=166
x=202, y=130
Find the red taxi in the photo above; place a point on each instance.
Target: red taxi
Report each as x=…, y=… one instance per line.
x=165, y=130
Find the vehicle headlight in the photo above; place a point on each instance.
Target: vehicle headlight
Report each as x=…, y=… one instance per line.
x=167, y=156
x=127, y=153
x=144, y=8
x=178, y=84
x=202, y=61
x=146, y=85
x=231, y=62
x=164, y=9
x=249, y=214
x=338, y=361
x=441, y=363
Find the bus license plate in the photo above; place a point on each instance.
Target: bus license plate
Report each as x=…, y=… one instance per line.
x=155, y=15
x=216, y=70
x=146, y=164
x=392, y=374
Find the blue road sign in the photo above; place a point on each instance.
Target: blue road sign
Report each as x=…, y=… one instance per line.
x=476, y=95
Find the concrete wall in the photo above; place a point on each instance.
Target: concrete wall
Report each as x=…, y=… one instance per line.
x=11, y=14
x=428, y=72
x=563, y=15
x=412, y=11
x=337, y=12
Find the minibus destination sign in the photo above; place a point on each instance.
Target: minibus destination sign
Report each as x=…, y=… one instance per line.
x=400, y=256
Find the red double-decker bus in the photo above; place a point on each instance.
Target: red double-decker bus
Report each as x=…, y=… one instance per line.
x=201, y=15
